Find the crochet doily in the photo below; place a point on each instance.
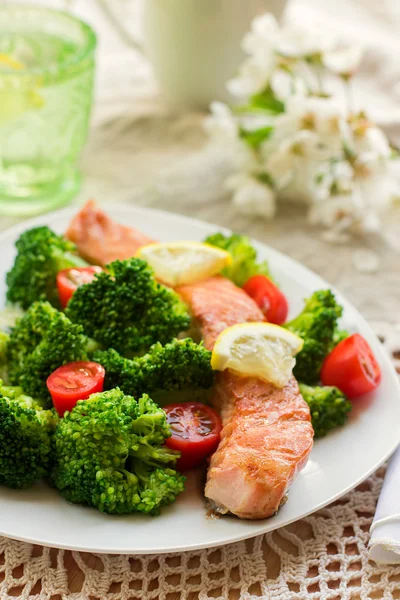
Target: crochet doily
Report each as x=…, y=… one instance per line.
x=323, y=556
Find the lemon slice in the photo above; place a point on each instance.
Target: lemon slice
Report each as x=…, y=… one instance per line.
x=261, y=350
x=16, y=102
x=179, y=263
x=11, y=62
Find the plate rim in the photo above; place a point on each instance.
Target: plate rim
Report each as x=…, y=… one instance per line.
x=304, y=270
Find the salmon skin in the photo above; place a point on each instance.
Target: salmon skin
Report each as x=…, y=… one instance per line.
x=216, y=304
x=266, y=440
x=100, y=240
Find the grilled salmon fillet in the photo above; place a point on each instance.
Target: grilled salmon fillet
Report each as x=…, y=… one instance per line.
x=267, y=434
x=266, y=440
x=100, y=240
x=217, y=303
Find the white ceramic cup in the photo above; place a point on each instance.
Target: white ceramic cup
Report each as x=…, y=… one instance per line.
x=194, y=46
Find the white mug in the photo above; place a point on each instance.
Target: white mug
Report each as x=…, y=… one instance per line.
x=194, y=46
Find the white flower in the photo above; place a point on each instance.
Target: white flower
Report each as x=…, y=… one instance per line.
x=221, y=124
x=332, y=175
x=313, y=150
x=289, y=40
x=270, y=49
x=378, y=190
x=322, y=116
x=372, y=142
x=223, y=130
x=300, y=186
x=302, y=42
x=281, y=162
x=262, y=37
x=359, y=209
x=343, y=61
x=305, y=136
x=338, y=212
x=292, y=162
x=285, y=84
x=251, y=197
x=253, y=77
x=256, y=71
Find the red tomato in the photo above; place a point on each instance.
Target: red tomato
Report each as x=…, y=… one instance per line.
x=269, y=298
x=69, y=279
x=195, y=430
x=74, y=381
x=352, y=367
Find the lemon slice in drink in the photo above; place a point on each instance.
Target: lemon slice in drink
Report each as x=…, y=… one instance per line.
x=17, y=101
x=179, y=263
x=260, y=350
x=11, y=62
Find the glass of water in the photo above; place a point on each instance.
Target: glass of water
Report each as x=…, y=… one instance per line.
x=46, y=91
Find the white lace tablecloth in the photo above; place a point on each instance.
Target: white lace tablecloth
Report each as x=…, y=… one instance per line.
x=139, y=152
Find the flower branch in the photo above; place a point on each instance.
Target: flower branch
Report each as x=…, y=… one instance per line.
x=293, y=139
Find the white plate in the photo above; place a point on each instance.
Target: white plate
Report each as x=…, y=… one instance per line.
x=337, y=463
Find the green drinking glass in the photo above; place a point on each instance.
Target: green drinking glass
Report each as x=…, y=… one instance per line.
x=46, y=92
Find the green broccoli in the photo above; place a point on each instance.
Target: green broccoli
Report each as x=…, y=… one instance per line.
x=316, y=324
x=329, y=407
x=4, y=338
x=179, y=365
x=244, y=257
x=42, y=340
x=25, y=438
x=126, y=309
x=338, y=336
x=8, y=317
x=41, y=255
x=110, y=454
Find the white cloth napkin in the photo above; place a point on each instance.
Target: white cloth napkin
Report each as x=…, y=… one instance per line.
x=384, y=544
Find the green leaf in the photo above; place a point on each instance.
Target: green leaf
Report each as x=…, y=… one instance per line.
x=395, y=152
x=267, y=100
x=255, y=137
x=348, y=152
x=264, y=102
x=267, y=179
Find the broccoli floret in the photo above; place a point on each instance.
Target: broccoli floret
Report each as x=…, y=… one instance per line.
x=25, y=438
x=4, y=338
x=338, y=336
x=316, y=324
x=126, y=309
x=179, y=365
x=244, y=257
x=329, y=407
x=41, y=255
x=110, y=454
x=41, y=341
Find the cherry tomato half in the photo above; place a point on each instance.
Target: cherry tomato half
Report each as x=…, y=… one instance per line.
x=195, y=430
x=69, y=279
x=269, y=298
x=352, y=367
x=74, y=381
